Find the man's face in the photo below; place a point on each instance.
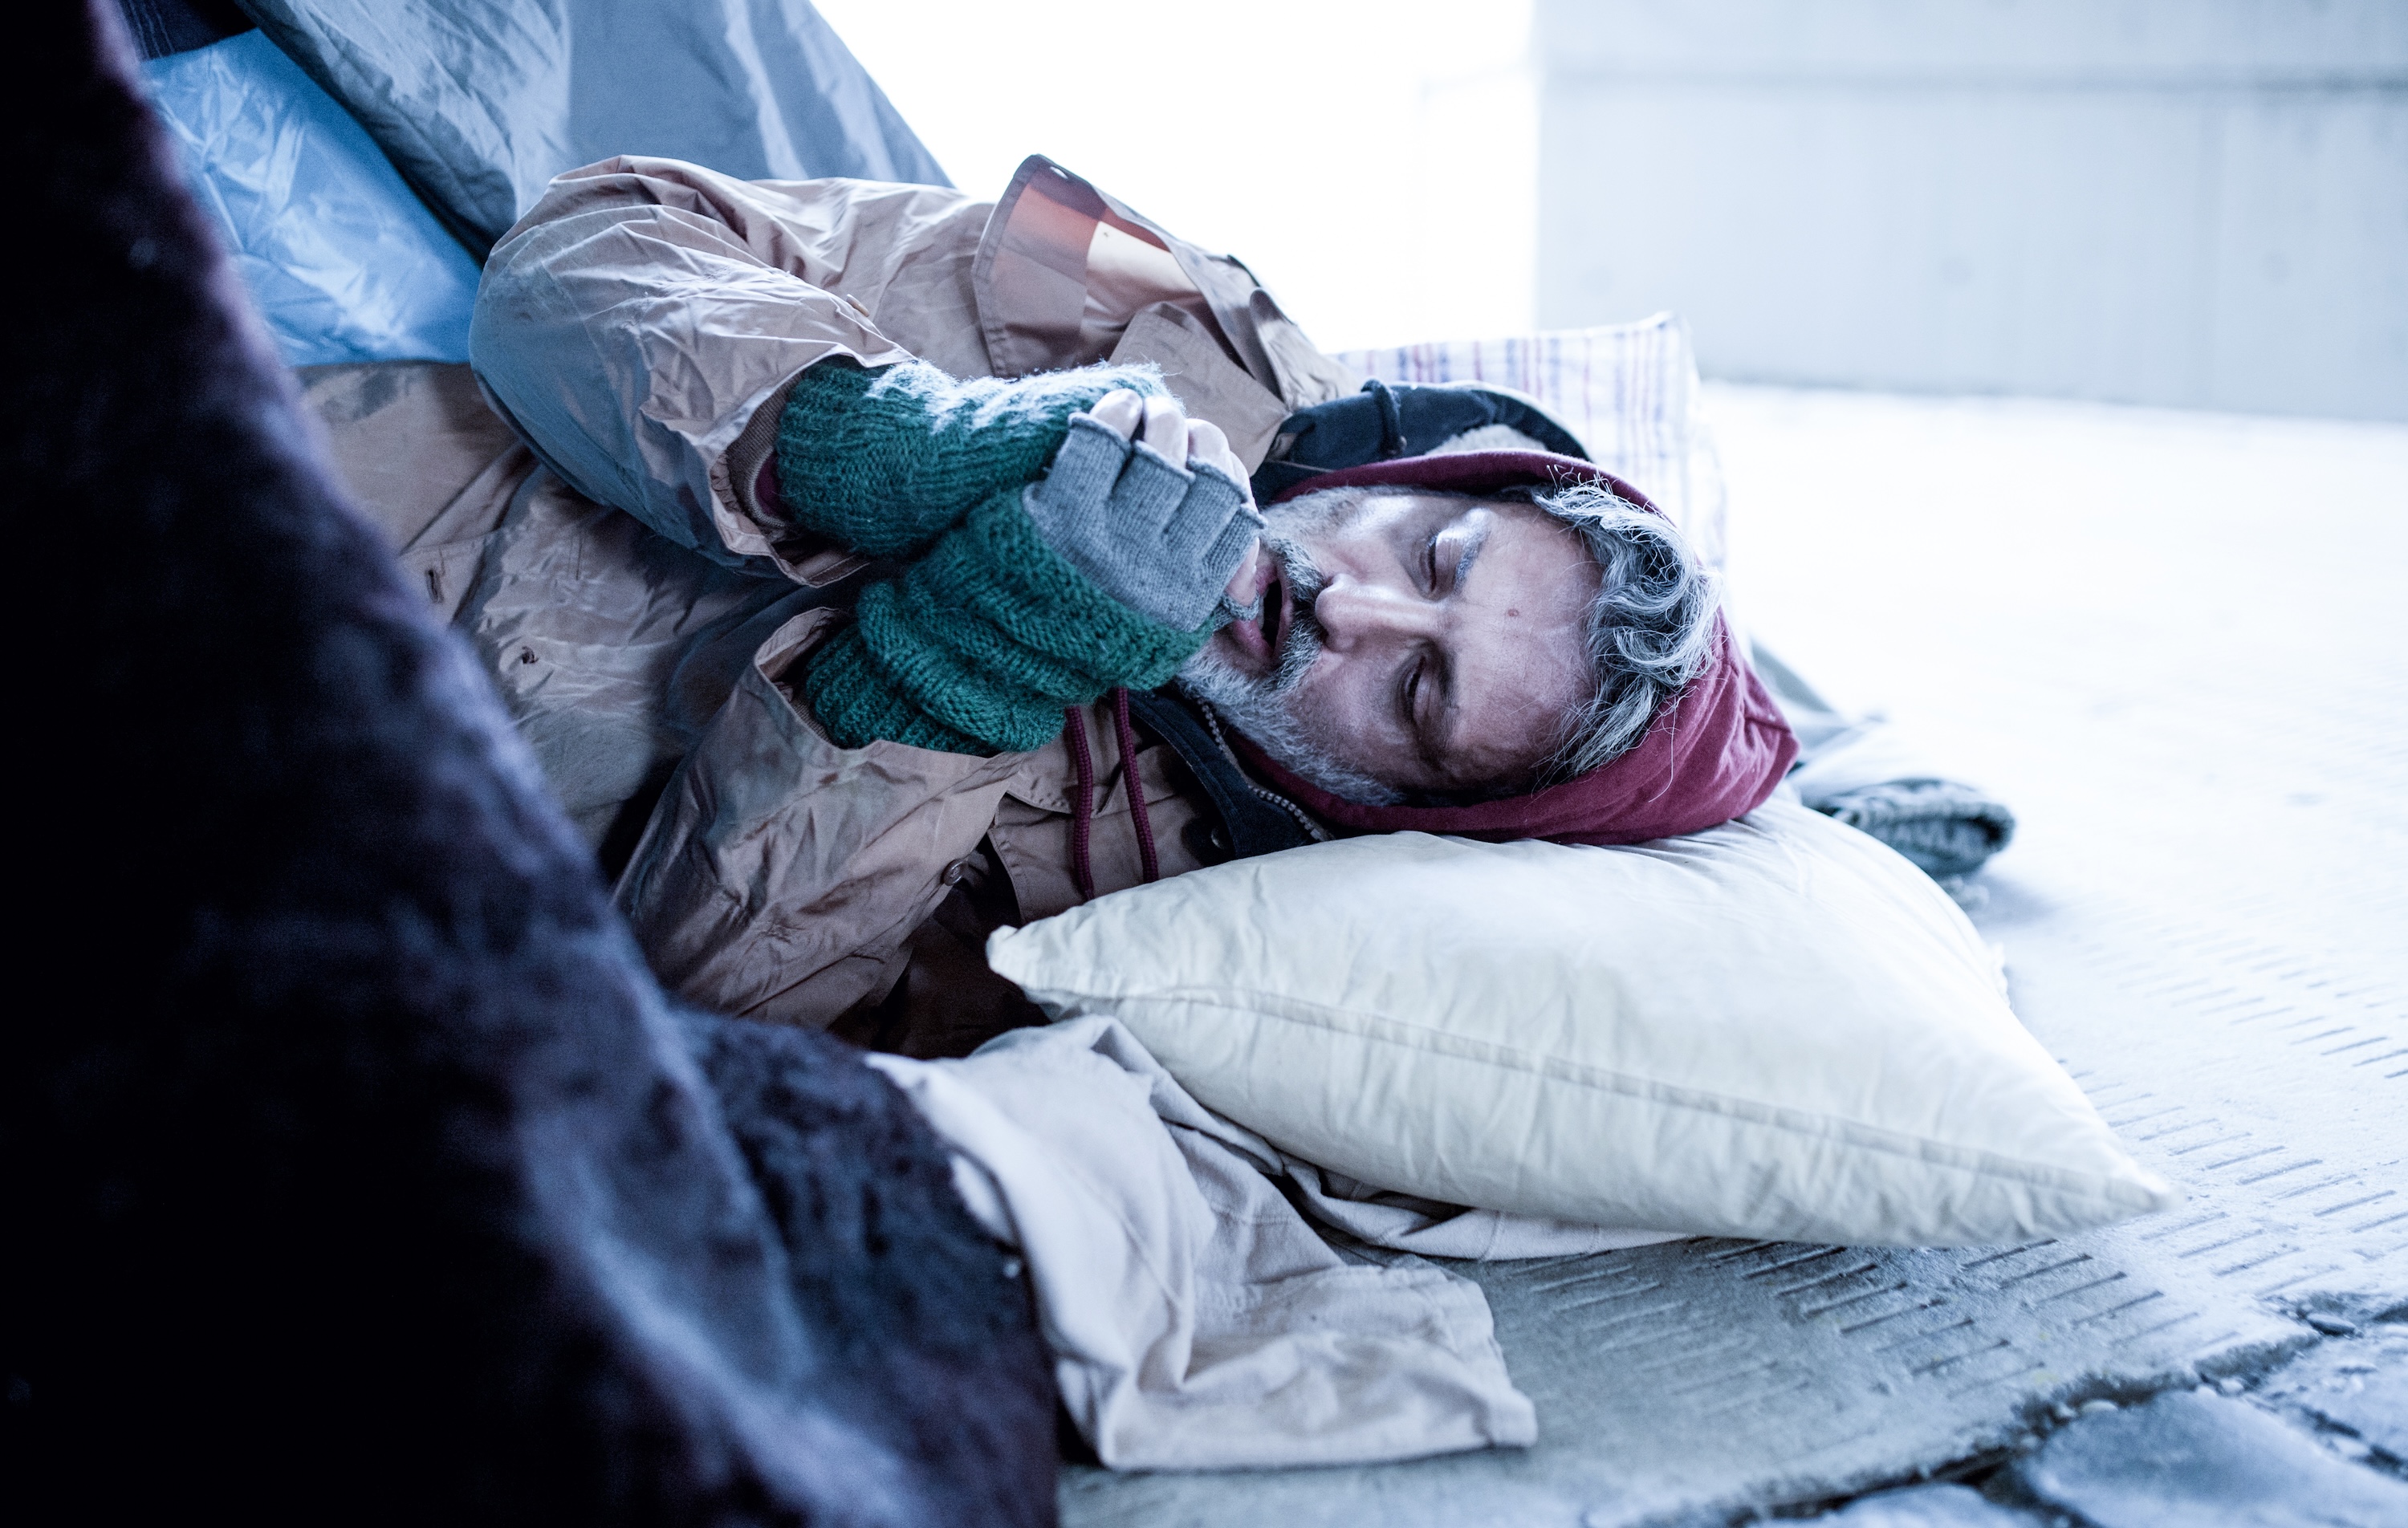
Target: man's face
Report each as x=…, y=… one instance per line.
x=1410, y=644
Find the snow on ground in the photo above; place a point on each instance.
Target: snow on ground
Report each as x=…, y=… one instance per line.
x=2175, y=644
x=2177, y=641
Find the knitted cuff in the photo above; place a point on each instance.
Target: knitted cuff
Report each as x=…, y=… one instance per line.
x=884, y=462
x=979, y=645
x=857, y=705
x=1012, y=605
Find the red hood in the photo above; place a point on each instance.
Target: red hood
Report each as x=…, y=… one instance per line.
x=1714, y=753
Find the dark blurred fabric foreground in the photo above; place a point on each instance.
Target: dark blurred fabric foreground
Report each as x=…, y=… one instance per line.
x=354, y=1168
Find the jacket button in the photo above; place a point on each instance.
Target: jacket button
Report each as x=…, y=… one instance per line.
x=1207, y=840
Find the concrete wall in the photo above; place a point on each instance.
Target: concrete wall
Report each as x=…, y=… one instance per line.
x=2199, y=203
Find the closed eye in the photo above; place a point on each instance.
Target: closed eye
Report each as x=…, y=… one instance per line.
x=1475, y=536
x=1452, y=552
x=1471, y=545
x=1409, y=705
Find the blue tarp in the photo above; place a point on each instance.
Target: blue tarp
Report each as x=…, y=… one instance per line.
x=340, y=258
x=482, y=101
x=352, y=215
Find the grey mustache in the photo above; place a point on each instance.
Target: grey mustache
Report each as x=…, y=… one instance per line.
x=1305, y=636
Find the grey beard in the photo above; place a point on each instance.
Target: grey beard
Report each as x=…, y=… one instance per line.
x=1261, y=707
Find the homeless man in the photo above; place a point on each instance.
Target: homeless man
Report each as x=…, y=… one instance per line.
x=956, y=607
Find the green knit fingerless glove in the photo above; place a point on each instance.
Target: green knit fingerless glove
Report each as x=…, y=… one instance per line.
x=884, y=462
x=979, y=645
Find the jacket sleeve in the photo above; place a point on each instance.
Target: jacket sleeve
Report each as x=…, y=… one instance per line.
x=782, y=876
x=637, y=318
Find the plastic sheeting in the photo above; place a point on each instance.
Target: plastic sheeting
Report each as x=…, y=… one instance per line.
x=482, y=104
x=343, y=262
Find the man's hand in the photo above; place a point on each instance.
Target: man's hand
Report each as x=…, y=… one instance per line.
x=1177, y=543
x=1163, y=421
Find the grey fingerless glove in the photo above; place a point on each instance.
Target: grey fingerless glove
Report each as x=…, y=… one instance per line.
x=1161, y=538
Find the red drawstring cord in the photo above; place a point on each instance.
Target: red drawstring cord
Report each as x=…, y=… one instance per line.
x=1082, y=805
x=1082, y=813
x=1135, y=787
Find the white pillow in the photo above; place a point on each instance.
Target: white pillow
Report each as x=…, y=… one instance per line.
x=1777, y=1028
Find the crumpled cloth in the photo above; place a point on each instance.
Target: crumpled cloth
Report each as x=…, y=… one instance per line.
x=1197, y=1318
x=1870, y=778
x=1947, y=828
x=1425, y=1227
x=1870, y=773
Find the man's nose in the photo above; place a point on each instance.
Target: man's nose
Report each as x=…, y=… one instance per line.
x=1352, y=612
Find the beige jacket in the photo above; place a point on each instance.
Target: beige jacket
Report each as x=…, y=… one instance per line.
x=640, y=328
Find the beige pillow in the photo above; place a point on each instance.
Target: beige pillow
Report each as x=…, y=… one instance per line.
x=1777, y=1028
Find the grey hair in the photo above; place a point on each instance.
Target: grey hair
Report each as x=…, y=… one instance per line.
x=1650, y=627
